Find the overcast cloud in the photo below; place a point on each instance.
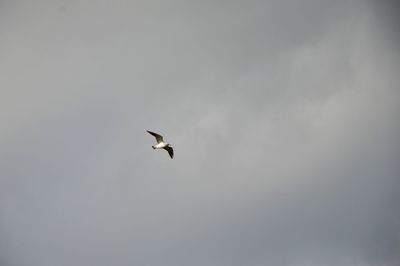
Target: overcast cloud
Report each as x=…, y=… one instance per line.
x=293, y=105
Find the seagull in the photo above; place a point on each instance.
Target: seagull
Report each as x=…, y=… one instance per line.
x=161, y=144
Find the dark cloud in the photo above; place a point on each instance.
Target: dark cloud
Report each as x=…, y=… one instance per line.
x=293, y=106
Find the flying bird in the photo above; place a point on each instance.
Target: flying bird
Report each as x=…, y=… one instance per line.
x=161, y=144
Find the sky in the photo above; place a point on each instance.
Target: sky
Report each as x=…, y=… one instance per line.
x=283, y=116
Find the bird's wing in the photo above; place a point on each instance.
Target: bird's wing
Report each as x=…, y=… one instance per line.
x=159, y=138
x=170, y=151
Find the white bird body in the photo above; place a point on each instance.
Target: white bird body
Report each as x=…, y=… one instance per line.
x=161, y=144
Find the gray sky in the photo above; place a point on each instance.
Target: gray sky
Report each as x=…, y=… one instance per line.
x=293, y=106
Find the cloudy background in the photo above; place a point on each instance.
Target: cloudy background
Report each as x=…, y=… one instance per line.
x=293, y=105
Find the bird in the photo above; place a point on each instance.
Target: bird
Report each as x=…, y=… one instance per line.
x=161, y=144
